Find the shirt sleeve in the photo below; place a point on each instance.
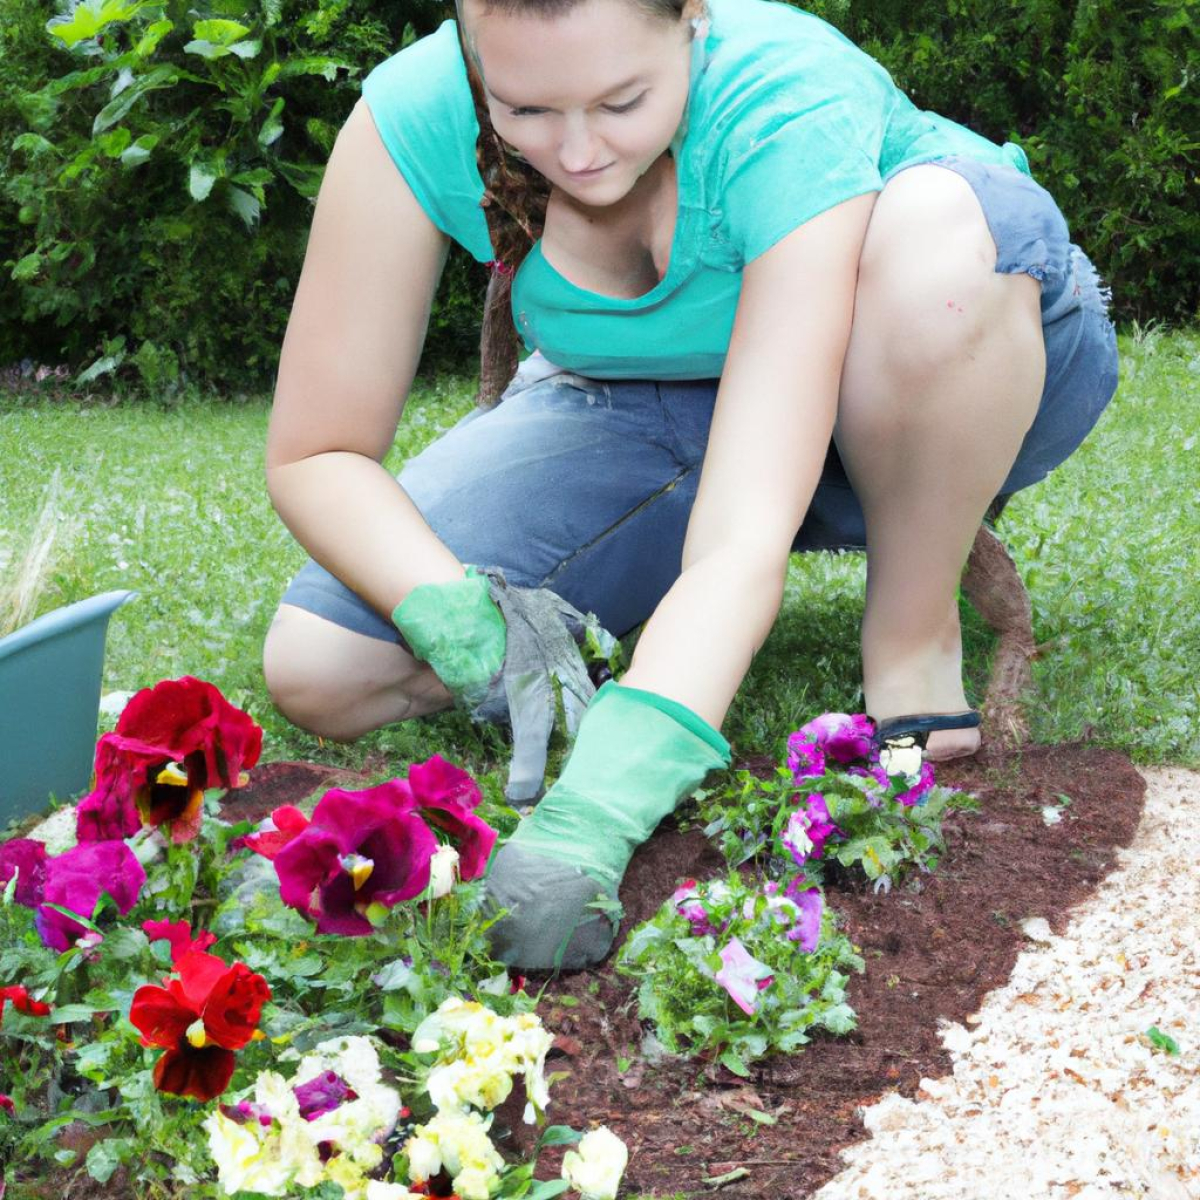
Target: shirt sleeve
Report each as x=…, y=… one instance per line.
x=807, y=137
x=420, y=101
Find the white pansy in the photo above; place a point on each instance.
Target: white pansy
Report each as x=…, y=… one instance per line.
x=595, y=1169
x=246, y=1162
x=459, y=1143
x=901, y=760
x=378, y=1190
x=356, y=1127
x=443, y=872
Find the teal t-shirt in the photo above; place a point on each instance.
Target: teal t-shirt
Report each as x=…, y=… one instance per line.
x=785, y=118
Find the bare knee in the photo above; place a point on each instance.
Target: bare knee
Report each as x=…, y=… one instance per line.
x=339, y=684
x=928, y=292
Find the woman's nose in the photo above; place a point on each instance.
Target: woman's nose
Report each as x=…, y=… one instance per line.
x=579, y=149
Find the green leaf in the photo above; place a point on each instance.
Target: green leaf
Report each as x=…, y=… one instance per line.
x=1162, y=1041
x=558, y=1135
x=731, y=1060
x=149, y=40
x=117, y=109
x=88, y=19
x=245, y=205
x=27, y=267
x=140, y=150
x=272, y=128
x=314, y=65
x=201, y=178
x=729, y=1177
x=546, y=1189
x=67, y=1013
x=106, y=1156
x=219, y=32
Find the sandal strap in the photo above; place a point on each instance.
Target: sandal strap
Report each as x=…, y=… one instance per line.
x=920, y=725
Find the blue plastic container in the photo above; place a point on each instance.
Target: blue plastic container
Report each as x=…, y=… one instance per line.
x=50, y=674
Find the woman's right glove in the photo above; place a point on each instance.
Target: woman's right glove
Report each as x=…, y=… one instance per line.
x=501, y=650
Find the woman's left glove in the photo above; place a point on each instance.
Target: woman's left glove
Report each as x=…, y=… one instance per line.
x=637, y=755
x=500, y=650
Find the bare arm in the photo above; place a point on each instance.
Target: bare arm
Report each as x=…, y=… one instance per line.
x=351, y=349
x=773, y=419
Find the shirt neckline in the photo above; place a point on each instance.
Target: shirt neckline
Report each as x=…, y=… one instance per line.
x=676, y=266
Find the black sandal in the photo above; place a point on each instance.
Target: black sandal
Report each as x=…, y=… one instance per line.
x=897, y=731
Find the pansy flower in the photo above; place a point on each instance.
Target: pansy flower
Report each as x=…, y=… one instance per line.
x=840, y=736
x=21, y=1001
x=445, y=796
x=179, y=935
x=810, y=905
x=6, y=1104
x=202, y=1015
x=26, y=859
x=172, y=742
x=808, y=829
x=743, y=976
x=75, y=881
x=918, y=793
x=805, y=759
x=359, y=850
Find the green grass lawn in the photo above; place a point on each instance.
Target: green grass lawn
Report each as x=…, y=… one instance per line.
x=170, y=501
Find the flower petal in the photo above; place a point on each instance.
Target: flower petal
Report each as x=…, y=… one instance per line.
x=25, y=858
x=186, y=1071
x=741, y=974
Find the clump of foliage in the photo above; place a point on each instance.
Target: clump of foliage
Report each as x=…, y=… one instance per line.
x=734, y=969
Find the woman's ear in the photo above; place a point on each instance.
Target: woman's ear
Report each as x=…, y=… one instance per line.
x=694, y=10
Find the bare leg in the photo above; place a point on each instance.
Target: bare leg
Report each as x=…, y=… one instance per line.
x=942, y=380
x=341, y=684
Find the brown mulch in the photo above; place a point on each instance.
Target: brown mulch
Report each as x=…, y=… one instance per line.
x=931, y=953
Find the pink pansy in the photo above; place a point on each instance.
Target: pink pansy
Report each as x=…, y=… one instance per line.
x=919, y=792
x=686, y=900
x=179, y=934
x=811, y=904
x=359, y=850
x=840, y=736
x=26, y=859
x=445, y=795
x=245, y=1111
x=805, y=758
x=743, y=976
x=808, y=829
x=75, y=880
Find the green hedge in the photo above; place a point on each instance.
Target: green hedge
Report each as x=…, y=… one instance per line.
x=158, y=160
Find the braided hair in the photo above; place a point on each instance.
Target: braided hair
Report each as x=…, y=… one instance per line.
x=514, y=203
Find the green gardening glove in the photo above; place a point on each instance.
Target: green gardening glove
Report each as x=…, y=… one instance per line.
x=636, y=756
x=507, y=654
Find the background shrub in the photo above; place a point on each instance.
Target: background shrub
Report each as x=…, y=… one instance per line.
x=158, y=160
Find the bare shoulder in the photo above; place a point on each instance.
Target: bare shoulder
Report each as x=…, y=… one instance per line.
x=361, y=307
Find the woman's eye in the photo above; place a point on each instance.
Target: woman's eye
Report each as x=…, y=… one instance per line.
x=624, y=108
x=525, y=112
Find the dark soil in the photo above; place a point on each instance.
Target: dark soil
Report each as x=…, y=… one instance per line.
x=932, y=952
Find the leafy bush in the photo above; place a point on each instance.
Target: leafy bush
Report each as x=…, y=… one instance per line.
x=1101, y=94
x=160, y=163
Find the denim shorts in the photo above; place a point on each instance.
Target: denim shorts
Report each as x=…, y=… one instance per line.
x=585, y=486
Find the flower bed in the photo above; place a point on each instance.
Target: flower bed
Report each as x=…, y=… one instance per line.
x=335, y=965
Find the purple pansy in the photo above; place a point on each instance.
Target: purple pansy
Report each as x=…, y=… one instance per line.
x=26, y=859
x=805, y=758
x=808, y=829
x=75, y=881
x=806, y=930
x=322, y=1095
x=361, y=849
x=919, y=792
x=840, y=736
x=743, y=976
x=688, y=904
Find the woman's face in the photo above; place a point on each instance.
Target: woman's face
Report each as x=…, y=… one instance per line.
x=592, y=98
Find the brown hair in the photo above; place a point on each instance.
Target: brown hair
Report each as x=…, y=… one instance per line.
x=514, y=203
